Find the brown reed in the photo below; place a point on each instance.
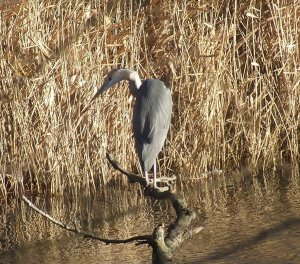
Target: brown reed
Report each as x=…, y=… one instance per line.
x=233, y=69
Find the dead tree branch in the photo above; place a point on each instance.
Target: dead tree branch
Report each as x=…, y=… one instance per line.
x=147, y=239
x=165, y=245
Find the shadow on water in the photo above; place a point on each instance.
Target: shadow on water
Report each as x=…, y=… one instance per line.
x=248, y=217
x=262, y=235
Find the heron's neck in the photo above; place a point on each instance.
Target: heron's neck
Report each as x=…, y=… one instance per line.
x=134, y=82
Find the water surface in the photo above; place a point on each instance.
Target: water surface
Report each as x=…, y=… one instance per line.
x=248, y=217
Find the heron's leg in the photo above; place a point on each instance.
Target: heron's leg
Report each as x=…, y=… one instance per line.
x=146, y=176
x=154, y=175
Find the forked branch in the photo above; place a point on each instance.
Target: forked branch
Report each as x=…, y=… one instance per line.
x=163, y=243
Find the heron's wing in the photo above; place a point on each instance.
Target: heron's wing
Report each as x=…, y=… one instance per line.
x=151, y=119
x=157, y=119
x=152, y=111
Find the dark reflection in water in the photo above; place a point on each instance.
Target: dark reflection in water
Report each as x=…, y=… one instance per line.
x=248, y=217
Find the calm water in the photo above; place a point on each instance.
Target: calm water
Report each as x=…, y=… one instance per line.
x=247, y=218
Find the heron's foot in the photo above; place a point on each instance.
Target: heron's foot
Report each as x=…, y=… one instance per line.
x=162, y=185
x=162, y=189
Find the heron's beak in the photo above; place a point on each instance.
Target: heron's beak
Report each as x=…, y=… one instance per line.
x=105, y=86
x=99, y=91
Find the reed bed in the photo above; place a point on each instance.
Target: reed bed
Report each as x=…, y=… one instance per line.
x=233, y=68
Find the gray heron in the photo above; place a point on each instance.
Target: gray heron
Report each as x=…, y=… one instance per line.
x=151, y=115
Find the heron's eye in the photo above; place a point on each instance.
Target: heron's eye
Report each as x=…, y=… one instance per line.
x=109, y=78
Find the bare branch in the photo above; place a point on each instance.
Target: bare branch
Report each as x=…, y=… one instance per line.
x=157, y=193
x=131, y=176
x=25, y=199
x=146, y=239
x=163, y=243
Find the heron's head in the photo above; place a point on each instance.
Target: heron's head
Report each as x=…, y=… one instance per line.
x=112, y=78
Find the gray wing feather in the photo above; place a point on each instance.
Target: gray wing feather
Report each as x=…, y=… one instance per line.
x=151, y=120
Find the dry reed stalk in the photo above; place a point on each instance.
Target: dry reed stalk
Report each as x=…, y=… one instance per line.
x=233, y=70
